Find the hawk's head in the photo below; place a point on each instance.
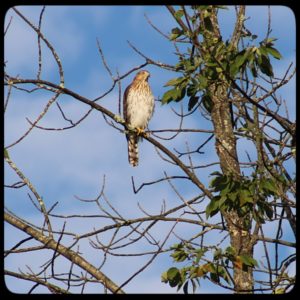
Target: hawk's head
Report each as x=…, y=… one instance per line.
x=142, y=75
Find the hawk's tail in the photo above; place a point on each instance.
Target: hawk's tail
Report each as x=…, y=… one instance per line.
x=133, y=150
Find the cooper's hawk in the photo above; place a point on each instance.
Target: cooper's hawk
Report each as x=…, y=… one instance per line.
x=138, y=106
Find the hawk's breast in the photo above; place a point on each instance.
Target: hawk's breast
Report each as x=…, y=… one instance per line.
x=140, y=106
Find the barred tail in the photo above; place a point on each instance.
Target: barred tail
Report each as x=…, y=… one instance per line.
x=133, y=150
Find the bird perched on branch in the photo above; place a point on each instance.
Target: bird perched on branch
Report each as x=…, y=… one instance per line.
x=138, y=107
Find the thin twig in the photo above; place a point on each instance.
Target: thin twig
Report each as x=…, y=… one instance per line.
x=39, y=44
x=31, y=187
x=56, y=57
x=33, y=124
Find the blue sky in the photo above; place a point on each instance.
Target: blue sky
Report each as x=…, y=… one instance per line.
x=62, y=164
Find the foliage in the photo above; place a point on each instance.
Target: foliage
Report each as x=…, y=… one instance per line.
x=247, y=196
x=207, y=63
x=199, y=267
x=216, y=61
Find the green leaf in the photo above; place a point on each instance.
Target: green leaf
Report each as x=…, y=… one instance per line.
x=265, y=66
x=197, y=60
x=185, y=288
x=212, y=208
x=219, y=182
x=216, y=173
x=180, y=93
x=202, y=82
x=211, y=64
x=257, y=216
x=225, y=187
x=191, y=90
x=214, y=277
x=269, y=212
x=248, y=260
x=253, y=70
x=199, y=254
x=176, y=32
x=222, y=201
x=172, y=273
x=173, y=276
x=274, y=52
x=179, y=66
x=6, y=155
x=203, y=7
x=168, y=96
x=217, y=254
x=263, y=51
x=192, y=102
x=282, y=179
x=232, y=196
x=269, y=185
x=222, y=272
x=179, y=13
x=208, y=267
x=183, y=272
x=194, y=286
x=175, y=81
x=179, y=255
x=241, y=58
x=193, y=271
x=269, y=41
x=164, y=277
x=177, y=246
x=207, y=102
x=280, y=291
x=219, y=70
x=208, y=24
x=230, y=250
x=265, y=208
x=245, y=197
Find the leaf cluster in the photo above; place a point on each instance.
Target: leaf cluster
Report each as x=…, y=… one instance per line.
x=212, y=60
x=199, y=268
x=247, y=196
x=181, y=277
x=255, y=59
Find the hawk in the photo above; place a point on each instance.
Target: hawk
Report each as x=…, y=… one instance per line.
x=138, y=106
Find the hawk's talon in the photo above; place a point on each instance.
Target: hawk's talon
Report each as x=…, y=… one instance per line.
x=140, y=131
x=146, y=134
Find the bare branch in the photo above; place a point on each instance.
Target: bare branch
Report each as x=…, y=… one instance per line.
x=56, y=57
x=31, y=187
x=67, y=253
x=52, y=288
x=151, y=61
x=39, y=43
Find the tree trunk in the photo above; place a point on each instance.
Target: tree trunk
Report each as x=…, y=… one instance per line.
x=240, y=235
x=225, y=143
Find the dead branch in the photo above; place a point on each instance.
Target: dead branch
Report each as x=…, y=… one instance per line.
x=67, y=253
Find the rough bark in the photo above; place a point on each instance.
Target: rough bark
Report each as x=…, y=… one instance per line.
x=225, y=143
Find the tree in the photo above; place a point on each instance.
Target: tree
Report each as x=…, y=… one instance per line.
x=232, y=84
